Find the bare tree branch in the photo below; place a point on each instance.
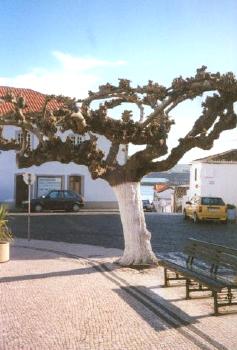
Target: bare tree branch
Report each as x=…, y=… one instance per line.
x=204, y=142
x=113, y=152
x=64, y=152
x=130, y=127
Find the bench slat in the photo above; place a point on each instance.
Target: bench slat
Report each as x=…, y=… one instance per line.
x=191, y=274
x=217, y=247
x=229, y=260
x=211, y=267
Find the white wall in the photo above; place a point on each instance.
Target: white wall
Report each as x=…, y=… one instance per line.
x=195, y=188
x=94, y=190
x=218, y=180
x=163, y=202
x=7, y=177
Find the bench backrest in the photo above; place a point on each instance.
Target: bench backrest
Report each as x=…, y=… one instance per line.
x=195, y=251
x=229, y=260
x=212, y=254
x=219, y=247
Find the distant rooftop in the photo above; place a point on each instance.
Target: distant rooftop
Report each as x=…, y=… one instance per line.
x=153, y=180
x=175, y=176
x=180, y=168
x=225, y=157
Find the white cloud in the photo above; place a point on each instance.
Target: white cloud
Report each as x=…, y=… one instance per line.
x=74, y=76
x=79, y=64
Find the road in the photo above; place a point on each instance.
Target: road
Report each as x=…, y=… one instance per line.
x=169, y=232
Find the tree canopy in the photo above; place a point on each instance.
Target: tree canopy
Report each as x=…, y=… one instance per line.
x=149, y=129
x=147, y=123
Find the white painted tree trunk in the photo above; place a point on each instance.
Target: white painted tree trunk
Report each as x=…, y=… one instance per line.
x=138, y=249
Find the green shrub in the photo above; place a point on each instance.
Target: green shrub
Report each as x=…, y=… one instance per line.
x=5, y=232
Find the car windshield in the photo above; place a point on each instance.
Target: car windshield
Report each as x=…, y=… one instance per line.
x=146, y=201
x=212, y=201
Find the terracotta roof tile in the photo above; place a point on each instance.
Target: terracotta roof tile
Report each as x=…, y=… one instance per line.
x=34, y=100
x=161, y=187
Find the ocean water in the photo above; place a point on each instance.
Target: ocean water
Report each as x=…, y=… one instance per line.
x=147, y=192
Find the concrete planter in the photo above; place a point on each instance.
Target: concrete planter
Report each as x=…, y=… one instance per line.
x=4, y=251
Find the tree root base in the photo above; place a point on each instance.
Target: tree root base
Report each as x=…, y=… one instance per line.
x=136, y=264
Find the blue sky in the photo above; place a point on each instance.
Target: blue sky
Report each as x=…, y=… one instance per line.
x=71, y=46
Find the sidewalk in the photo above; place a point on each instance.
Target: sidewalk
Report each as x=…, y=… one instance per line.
x=69, y=296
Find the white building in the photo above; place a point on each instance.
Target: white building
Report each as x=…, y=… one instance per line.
x=163, y=198
x=215, y=176
x=51, y=175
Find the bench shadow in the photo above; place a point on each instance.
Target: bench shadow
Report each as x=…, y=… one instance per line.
x=138, y=296
x=160, y=314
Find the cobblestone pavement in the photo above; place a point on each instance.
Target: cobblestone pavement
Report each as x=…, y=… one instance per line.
x=69, y=296
x=169, y=232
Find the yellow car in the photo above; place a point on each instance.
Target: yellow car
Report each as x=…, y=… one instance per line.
x=206, y=208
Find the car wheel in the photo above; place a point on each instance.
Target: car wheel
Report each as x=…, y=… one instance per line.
x=195, y=218
x=75, y=208
x=38, y=208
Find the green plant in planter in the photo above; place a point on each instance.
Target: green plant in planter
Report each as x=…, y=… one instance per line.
x=5, y=232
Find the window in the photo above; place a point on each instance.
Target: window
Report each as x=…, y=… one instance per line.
x=54, y=195
x=45, y=184
x=212, y=201
x=19, y=138
x=71, y=195
x=68, y=195
x=195, y=174
x=76, y=139
x=75, y=183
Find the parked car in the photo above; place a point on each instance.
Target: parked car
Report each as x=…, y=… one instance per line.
x=147, y=206
x=206, y=208
x=57, y=200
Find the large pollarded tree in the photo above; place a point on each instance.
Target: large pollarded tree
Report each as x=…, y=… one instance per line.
x=147, y=125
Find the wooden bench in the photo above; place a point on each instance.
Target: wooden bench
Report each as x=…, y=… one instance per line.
x=204, y=267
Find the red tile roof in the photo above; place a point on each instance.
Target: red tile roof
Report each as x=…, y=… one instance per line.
x=34, y=100
x=161, y=187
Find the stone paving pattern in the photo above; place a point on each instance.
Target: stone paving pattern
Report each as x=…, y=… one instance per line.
x=53, y=301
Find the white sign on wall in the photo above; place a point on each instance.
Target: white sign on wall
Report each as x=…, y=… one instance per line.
x=48, y=183
x=28, y=178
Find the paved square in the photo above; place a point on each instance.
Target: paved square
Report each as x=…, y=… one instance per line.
x=70, y=296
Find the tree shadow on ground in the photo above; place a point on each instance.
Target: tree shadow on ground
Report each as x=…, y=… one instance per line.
x=38, y=276
x=41, y=253
x=160, y=314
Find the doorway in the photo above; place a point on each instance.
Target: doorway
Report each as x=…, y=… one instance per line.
x=75, y=183
x=21, y=190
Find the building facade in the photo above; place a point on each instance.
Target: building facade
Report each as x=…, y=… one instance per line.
x=52, y=175
x=215, y=176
